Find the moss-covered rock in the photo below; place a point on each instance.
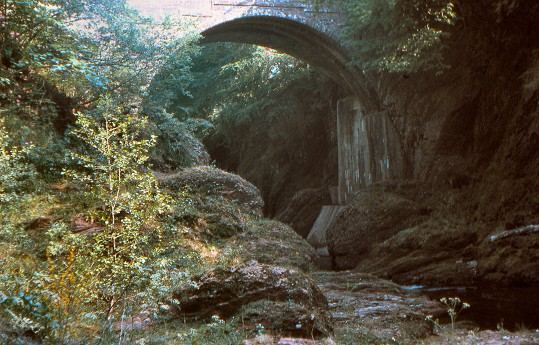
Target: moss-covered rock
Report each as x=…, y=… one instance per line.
x=209, y=181
x=274, y=243
x=229, y=291
x=213, y=203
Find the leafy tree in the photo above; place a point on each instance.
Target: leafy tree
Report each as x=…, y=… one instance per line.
x=125, y=196
x=89, y=61
x=16, y=174
x=398, y=35
x=59, y=57
x=269, y=115
x=85, y=49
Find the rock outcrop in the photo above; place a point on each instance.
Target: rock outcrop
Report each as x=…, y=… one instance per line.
x=280, y=299
x=510, y=257
x=371, y=218
x=433, y=253
x=209, y=181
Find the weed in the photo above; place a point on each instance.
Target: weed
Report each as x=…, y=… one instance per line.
x=455, y=307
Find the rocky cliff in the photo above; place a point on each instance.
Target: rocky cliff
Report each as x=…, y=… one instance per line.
x=470, y=139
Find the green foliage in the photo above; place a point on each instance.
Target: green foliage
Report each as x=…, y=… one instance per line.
x=85, y=48
x=233, y=88
x=26, y=313
x=399, y=35
x=58, y=57
x=16, y=174
x=177, y=145
x=115, y=161
x=270, y=113
x=125, y=196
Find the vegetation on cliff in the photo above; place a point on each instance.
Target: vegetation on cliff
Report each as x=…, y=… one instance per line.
x=93, y=241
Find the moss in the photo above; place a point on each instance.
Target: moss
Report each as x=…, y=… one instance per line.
x=272, y=242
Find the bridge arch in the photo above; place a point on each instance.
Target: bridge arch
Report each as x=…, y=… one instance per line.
x=300, y=41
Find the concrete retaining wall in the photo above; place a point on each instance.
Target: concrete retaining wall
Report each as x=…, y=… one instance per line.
x=369, y=148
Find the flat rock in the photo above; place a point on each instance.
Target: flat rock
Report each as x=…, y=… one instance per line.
x=367, y=309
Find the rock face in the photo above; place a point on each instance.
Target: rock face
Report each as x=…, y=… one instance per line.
x=373, y=217
x=280, y=299
x=433, y=253
x=510, y=257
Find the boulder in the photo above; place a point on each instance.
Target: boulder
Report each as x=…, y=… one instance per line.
x=304, y=208
x=276, y=297
x=371, y=218
x=209, y=181
x=274, y=243
x=215, y=204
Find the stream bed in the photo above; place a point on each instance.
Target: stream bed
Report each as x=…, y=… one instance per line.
x=510, y=308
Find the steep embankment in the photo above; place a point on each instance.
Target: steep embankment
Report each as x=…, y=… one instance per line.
x=471, y=140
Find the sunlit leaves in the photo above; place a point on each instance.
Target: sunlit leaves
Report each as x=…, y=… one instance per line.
x=115, y=176
x=16, y=174
x=86, y=48
x=115, y=157
x=399, y=35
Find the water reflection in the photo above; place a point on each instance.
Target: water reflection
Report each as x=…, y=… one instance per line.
x=512, y=308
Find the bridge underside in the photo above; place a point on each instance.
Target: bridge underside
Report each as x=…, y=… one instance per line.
x=302, y=42
x=369, y=149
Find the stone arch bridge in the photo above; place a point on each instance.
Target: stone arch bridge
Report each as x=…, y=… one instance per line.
x=369, y=150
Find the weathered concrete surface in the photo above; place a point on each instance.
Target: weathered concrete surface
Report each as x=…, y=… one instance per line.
x=327, y=19
x=369, y=148
x=317, y=235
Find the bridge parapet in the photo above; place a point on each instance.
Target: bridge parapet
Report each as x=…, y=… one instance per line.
x=327, y=19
